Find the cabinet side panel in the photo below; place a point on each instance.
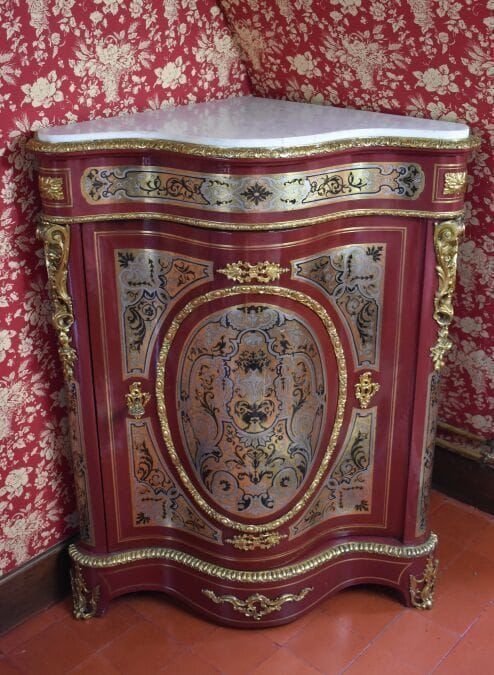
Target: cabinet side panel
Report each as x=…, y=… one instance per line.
x=84, y=433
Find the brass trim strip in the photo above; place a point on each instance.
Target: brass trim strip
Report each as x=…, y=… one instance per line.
x=252, y=226
x=458, y=449
x=257, y=576
x=461, y=432
x=35, y=145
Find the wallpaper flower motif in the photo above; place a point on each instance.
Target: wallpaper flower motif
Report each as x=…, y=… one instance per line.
x=428, y=58
x=61, y=61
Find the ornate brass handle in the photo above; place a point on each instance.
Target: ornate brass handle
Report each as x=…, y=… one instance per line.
x=136, y=400
x=365, y=389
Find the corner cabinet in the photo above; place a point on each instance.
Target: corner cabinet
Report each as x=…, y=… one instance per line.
x=252, y=301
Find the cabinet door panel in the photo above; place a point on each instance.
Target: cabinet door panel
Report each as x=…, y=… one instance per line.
x=255, y=425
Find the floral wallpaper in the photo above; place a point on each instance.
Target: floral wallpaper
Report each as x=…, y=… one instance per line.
x=428, y=58
x=64, y=61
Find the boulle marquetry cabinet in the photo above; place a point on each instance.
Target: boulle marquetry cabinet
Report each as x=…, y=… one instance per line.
x=252, y=301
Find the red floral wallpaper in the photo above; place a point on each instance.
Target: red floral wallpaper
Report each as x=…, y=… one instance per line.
x=64, y=61
x=429, y=58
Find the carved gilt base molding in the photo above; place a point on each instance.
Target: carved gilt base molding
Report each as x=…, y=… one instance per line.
x=255, y=576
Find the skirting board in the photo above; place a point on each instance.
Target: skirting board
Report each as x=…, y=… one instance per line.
x=43, y=581
x=465, y=479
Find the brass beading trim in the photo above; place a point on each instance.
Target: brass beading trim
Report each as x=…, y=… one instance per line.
x=401, y=552
x=252, y=226
x=136, y=144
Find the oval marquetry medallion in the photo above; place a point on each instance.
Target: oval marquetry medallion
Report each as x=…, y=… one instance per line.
x=251, y=396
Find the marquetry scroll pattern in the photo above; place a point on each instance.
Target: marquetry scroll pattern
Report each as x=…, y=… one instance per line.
x=353, y=279
x=149, y=283
x=251, y=193
x=252, y=401
x=348, y=488
x=157, y=499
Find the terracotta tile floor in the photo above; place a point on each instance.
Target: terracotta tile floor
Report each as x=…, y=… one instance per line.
x=361, y=630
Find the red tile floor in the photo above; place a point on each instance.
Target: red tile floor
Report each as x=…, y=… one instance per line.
x=361, y=630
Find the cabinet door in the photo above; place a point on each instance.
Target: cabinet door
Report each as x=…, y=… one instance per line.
x=253, y=435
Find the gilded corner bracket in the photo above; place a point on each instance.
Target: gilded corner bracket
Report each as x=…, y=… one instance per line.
x=56, y=240
x=85, y=600
x=447, y=235
x=422, y=588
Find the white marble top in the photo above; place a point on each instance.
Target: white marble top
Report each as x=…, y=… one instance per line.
x=249, y=122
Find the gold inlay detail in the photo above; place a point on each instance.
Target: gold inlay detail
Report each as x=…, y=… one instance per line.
x=455, y=183
x=365, y=389
x=51, y=188
x=324, y=317
x=228, y=226
x=136, y=400
x=34, y=145
x=422, y=588
x=249, y=542
x=56, y=240
x=257, y=605
x=251, y=193
x=262, y=272
x=85, y=601
x=210, y=569
x=447, y=235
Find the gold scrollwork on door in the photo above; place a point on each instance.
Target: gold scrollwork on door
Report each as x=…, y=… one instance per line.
x=263, y=272
x=365, y=389
x=447, y=235
x=257, y=605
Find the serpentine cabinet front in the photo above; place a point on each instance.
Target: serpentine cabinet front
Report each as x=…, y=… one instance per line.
x=251, y=346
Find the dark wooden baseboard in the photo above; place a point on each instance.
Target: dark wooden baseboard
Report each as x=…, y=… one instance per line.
x=464, y=479
x=43, y=581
